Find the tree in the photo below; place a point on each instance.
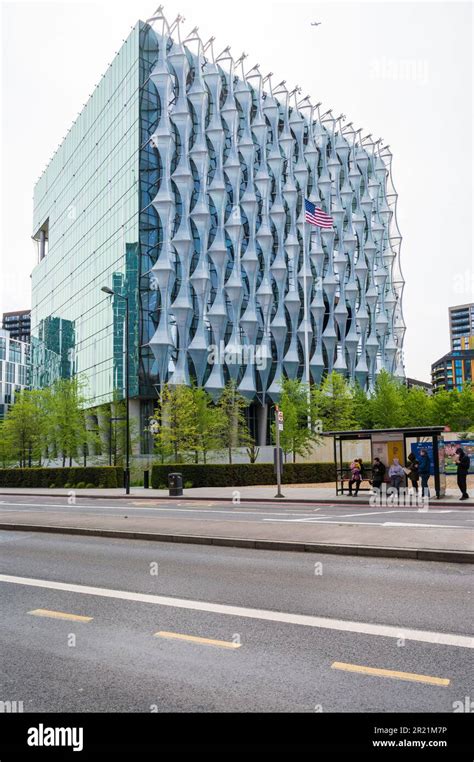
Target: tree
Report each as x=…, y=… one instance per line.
x=24, y=427
x=333, y=403
x=6, y=453
x=361, y=407
x=463, y=409
x=173, y=424
x=113, y=430
x=387, y=404
x=67, y=422
x=253, y=452
x=234, y=432
x=416, y=407
x=296, y=437
x=209, y=421
x=443, y=409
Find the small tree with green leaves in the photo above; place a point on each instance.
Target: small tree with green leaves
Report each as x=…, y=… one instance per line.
x=443, y=409
x=232, y=406
x=173, y=424
x=113, y=431
x=386, y=404
x=67, y=421
x=297, y=437
x=209, y=421
x=24, y=428
x=361, y=407
x=463, y=409
x=6, y=453
x=416, y=407
x=253, y=452
x=333, y=403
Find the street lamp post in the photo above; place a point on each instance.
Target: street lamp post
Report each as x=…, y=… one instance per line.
x=109, y=291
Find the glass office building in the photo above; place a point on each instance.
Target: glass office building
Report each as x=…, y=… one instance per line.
x=453, y=371
x=182, y=185
x=18, y=324
x=14, y=369
x=461, y=326
x=86, y=226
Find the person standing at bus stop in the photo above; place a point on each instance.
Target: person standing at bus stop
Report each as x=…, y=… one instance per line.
x=413, y=468
x=424, y=471
x=463, y=463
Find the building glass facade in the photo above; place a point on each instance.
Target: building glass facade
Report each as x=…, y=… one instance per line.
x=453, y=371
x=18, y=324
x=182, y=185
x=461, y=326
x=86, y=207
x=14, y=369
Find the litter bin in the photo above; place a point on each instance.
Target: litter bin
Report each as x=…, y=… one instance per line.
x=146, y=480
x=175, y=484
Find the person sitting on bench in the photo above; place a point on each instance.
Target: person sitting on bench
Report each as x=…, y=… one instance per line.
x=356, y=476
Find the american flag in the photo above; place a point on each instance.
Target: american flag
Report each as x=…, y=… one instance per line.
x=316, y=216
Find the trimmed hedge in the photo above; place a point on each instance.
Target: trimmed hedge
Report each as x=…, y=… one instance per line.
x=98, y=476
x=242, y=474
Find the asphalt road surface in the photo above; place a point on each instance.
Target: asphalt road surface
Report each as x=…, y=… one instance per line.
x=92, y=624
x=206, y=510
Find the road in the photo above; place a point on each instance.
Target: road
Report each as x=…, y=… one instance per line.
x=158, y=626
x=206, y=510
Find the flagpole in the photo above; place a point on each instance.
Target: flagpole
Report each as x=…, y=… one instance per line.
x=305, y=311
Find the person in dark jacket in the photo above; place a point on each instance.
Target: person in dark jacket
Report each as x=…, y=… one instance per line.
x=424, y=468
x=378, y=473
x=414, y=472
x=463, y=464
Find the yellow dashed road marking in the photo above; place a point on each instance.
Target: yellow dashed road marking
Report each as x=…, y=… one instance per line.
x=60, y=615
x=194, y=639
x=390, y=673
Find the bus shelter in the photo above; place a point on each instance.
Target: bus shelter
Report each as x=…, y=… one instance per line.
x=388, y=444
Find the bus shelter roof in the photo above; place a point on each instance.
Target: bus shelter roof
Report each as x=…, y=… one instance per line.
x=410, y=431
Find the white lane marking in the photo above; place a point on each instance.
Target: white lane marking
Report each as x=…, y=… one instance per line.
x=364, y=628
x=170, y=509
x=362, y=523
x=370, y=513
x=408, y=524
x=383, y=513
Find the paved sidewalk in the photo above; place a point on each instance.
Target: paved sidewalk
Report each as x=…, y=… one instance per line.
x=293, y=493
x=415, y=542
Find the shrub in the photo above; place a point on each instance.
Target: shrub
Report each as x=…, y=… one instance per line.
x=80, y=485
x=95, y=476
x=241, y=474
x=188, y=485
